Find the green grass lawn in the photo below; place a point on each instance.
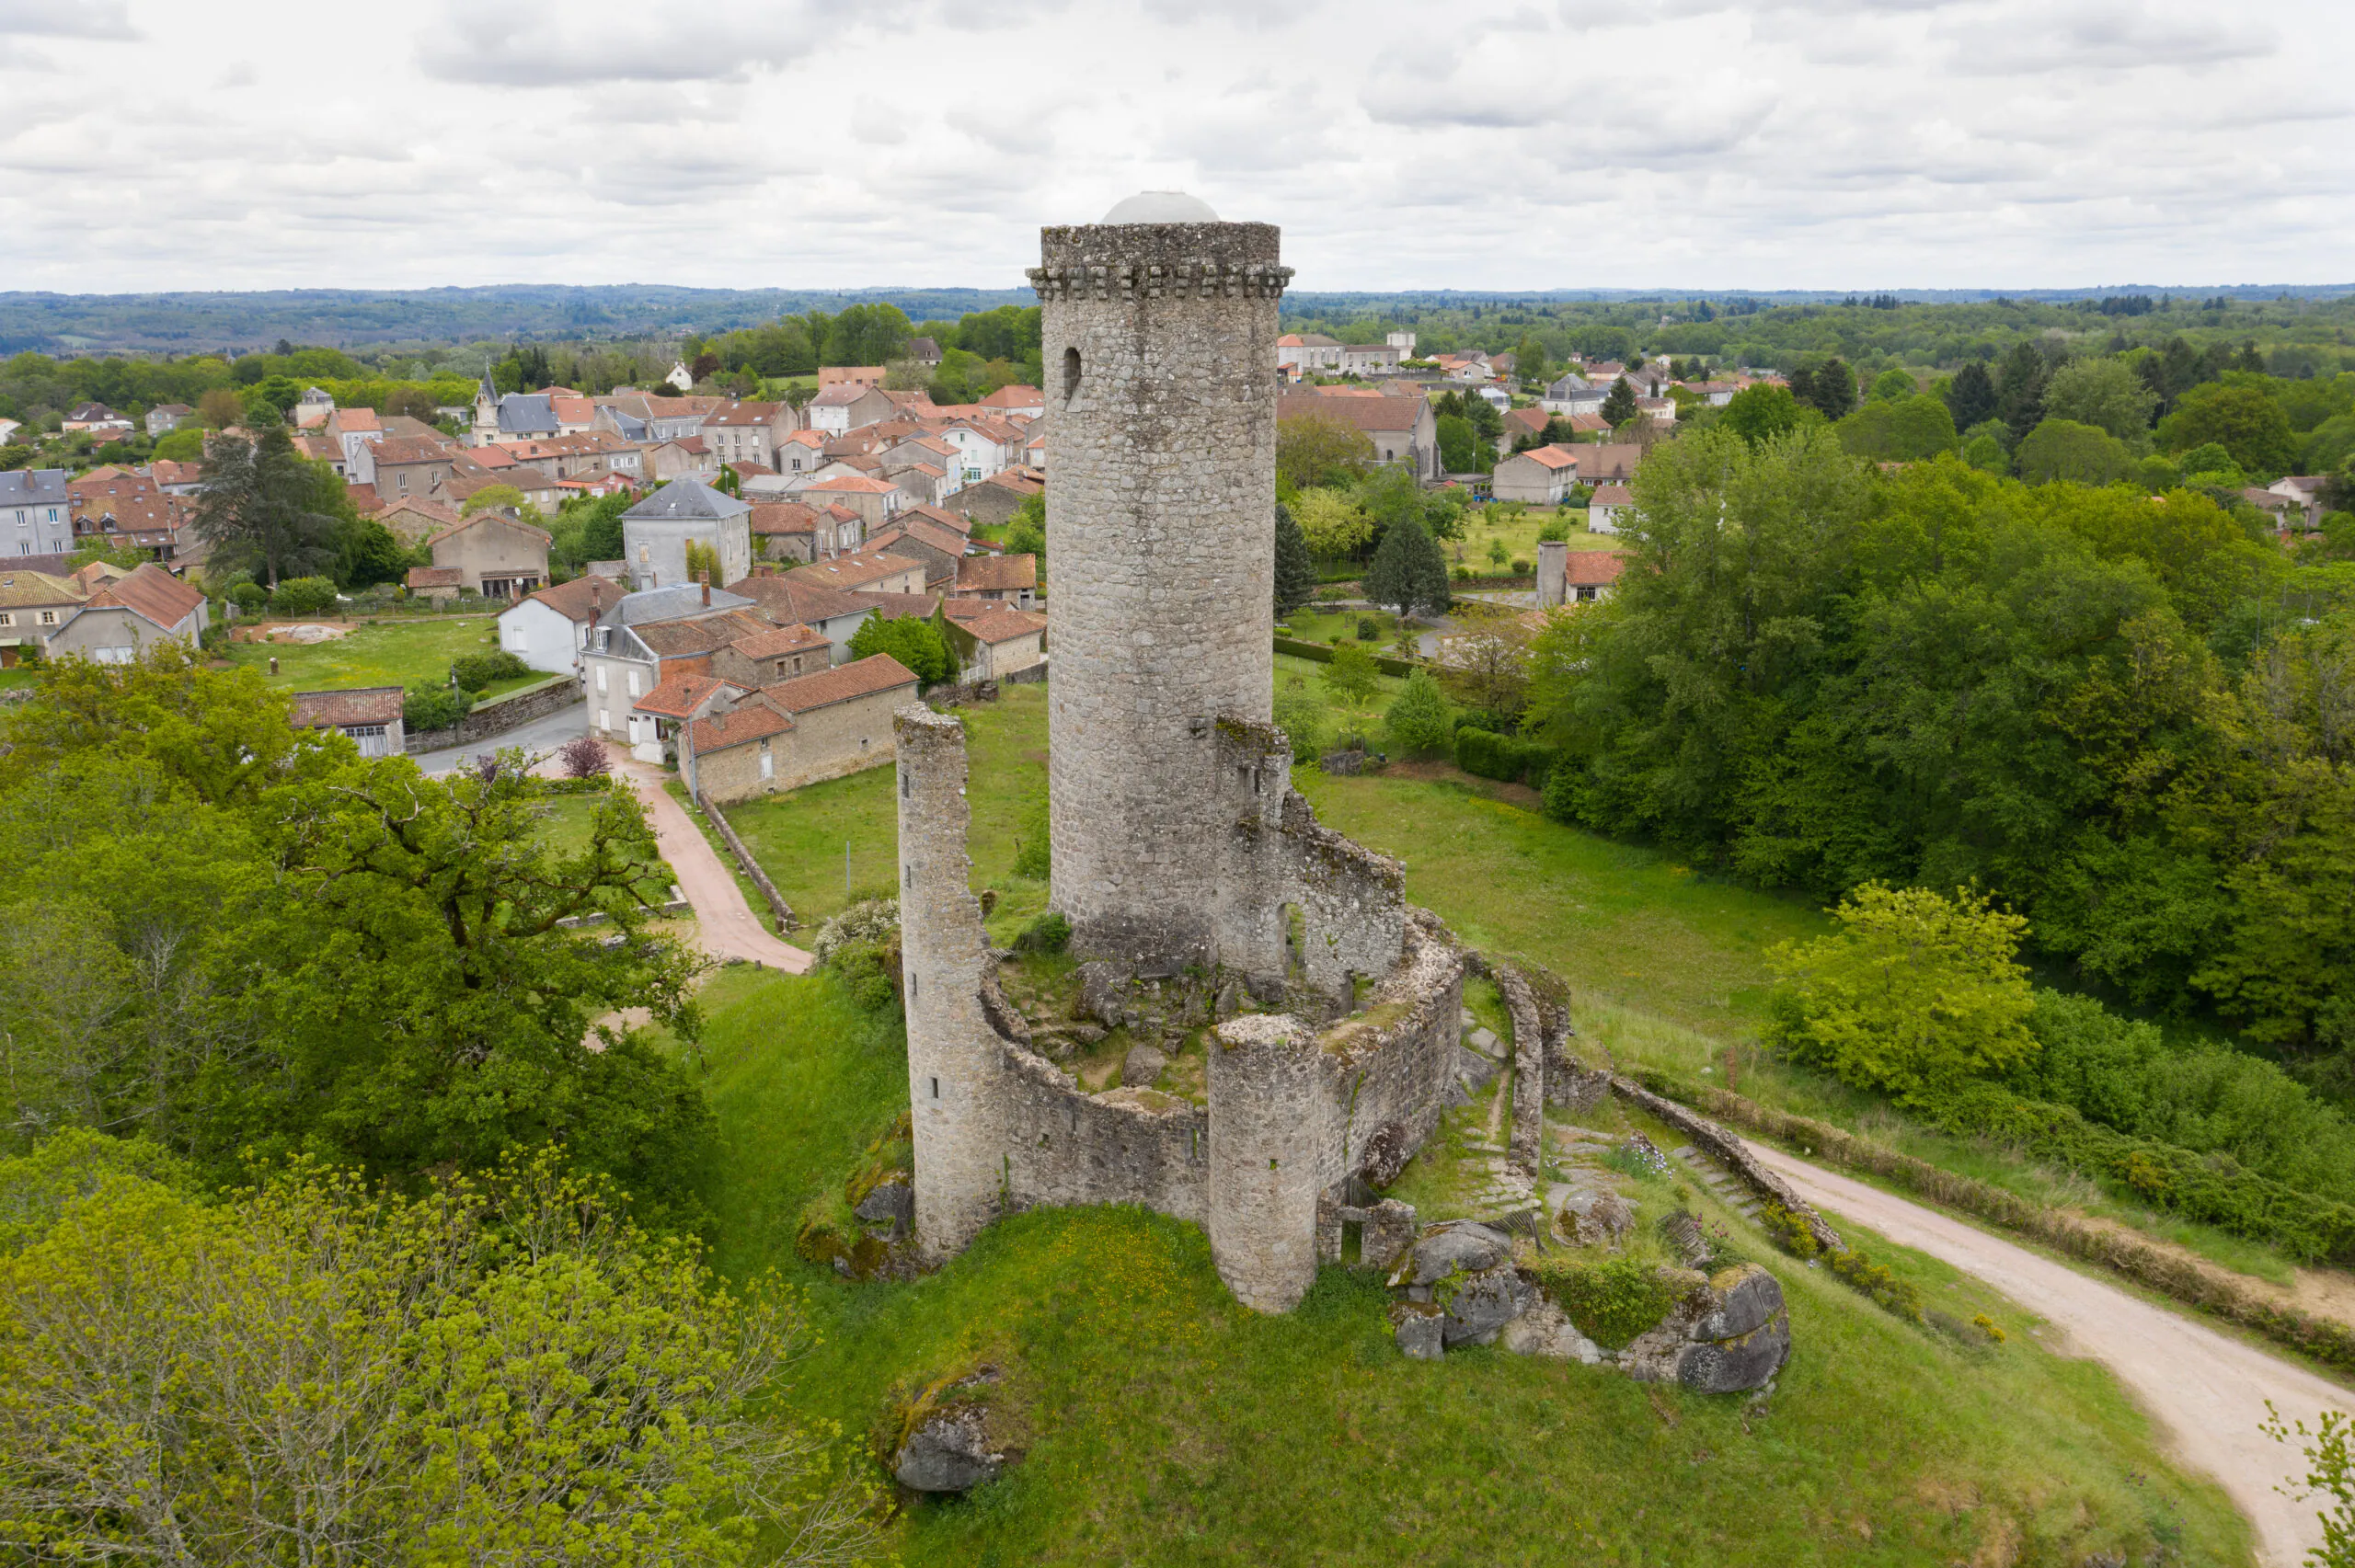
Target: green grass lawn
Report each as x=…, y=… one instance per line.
x=1518, y=535
x=405, y=652
x=1165, y=1423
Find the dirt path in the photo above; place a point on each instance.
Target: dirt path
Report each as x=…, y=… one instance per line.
x=2208, y=1390
x=728, y=928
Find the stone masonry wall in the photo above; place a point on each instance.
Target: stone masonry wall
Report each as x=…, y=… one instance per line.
x=956, y=1060
x=1157, y=343
x=1067, y=1147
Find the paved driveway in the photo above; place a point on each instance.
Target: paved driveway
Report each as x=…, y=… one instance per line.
x=727, y=926
x=540, y=735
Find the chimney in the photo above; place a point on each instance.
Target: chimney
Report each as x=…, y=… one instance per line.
x=705, y=578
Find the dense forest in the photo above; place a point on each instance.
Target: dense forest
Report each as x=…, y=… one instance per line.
x=2132, y=718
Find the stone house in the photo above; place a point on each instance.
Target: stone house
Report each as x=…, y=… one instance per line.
x=1370, y=358
x=1009, y=580
x=800, y=453
x=867, y=573
x=799, y=732
x=874, y=499
x=916, y=537
x=495, y=555
x=370, y=716
x=831, y=613
x=36, y=512
x=32, y=605
x=795, y=530
x=1308, y=353
x=165, y=418
x=404, y=466
x=1591, y=574
x=415, y=521
x=620, y=665
x=1605, y=463
x=548, y=628
x=119, y=621
x=859, y=376
x=781, y=653
x=685, y=457
x=1606, y=506
x=97, y=419
x=435, y=585
x=995, y=499
x=584, y=454
x=657, y=530
x=750, y=432
x=1541, y=476
x=649, y=421
x=994, y=642
x=1403, y=429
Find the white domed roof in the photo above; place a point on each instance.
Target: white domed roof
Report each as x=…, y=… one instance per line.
x=1162, y=207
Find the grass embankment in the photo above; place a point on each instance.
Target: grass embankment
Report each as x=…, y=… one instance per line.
x=405, y=653
x=1168, y=1425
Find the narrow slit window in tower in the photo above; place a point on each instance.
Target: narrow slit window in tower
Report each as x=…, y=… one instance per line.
x=936, y=1088
x=1070, y=374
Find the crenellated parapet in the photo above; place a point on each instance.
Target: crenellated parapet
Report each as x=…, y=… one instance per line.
x=1155, y=279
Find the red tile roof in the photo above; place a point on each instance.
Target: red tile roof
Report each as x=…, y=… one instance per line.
x=861, y=677
x=859, y=483
x=850, y=572
x=1593, y=568
x=795, y=639
x=754, y=718
x=364, y=704
x=679, y=695
x=809, y=603
x=1614, y=496
x=994, y=624
x=436, y=576
x=581, y=599
x=1555, y=457
x=151, y=593
x=1365, y=413
x=977, y=574
x=490, y=514
x=784, y=516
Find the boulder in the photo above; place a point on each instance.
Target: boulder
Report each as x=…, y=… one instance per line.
x=1229, y=1001
x=1746, y=1297
x=948, y=1448
x=1341, y=764
x=1389, y=1231
x=1484, y=1040
x=1473, y=1070
x=1102, y=995
x=893, y=1203
x=1386, y=1154
x=1420, y=1331
x=1738, y=1365
x=1141, y=1065
x=1460, y=1246
x=1545, y=1330
x=1595, y=1219
x=1483, y=1303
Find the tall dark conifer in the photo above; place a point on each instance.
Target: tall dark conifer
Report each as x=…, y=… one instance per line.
x=1295, y=572
x=1971, y=396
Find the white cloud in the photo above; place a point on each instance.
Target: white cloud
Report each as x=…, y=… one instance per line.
x=1540, y=143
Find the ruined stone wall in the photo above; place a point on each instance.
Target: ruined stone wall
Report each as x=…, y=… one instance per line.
x=1065, y=1147
x=1352, y=902
x=1157, y=343
x=1292, y=1111
x=955, y=1058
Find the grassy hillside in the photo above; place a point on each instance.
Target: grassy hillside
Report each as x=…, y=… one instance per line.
x=1166, y=1424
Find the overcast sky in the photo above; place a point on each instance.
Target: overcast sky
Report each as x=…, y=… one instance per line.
x=1829, y=144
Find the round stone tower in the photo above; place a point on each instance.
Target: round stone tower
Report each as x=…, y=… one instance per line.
x=1159, y=348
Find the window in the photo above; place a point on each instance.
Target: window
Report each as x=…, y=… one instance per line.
x=604, y=715
x=633, y=683
x=768, y=762
x=601, y=684
x=1070, y=374
x=49, y=617
x=7, y=619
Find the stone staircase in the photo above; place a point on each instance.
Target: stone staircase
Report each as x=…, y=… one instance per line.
x=1714, y=1178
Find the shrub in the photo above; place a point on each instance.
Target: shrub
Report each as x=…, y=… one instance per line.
x=1051, y=932
x=1555, y=530
x=1485, y=754
x=303, y=596
x=1916, y=992
x=1302, y=719
x=1419, y=720
x=1367, y=630
x=435, y=708
x=477, y=671
x=868, y=919
x=248, y=596
x=583, y=758
x=1520, y=568
x=1610, y=1299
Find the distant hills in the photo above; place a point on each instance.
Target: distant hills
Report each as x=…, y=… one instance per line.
x=236, y=322
x=344, y=318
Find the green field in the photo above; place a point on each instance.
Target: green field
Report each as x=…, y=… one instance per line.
x=404, y=653
x=1518, y=534
x=1167, y=1424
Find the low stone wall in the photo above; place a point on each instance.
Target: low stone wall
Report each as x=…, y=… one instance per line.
x=500, y=714
x=1065, y=1147
x=1528, y=1066
x=778, y=905
x=1724, y=1146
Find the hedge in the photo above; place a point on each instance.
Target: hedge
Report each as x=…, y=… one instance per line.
x=2164, y=1269
x=1321, y=654
x=2214, y=1187
x=1489, y=755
